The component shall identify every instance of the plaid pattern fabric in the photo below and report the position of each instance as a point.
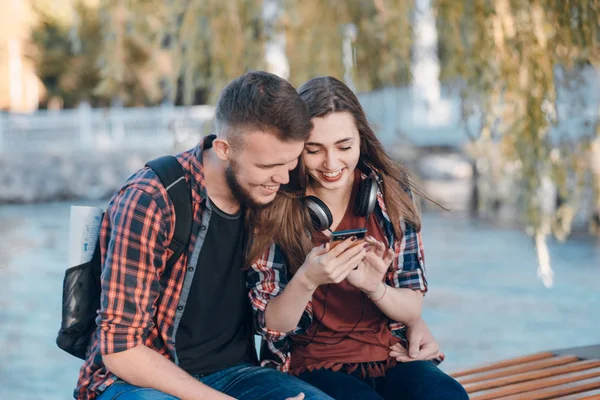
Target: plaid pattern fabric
(138, 305)
(269, 275)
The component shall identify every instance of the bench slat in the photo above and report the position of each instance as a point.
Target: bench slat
(500, 389)
(502, 364)
(508, 371)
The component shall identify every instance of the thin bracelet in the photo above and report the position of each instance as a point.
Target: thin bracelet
(384, 291)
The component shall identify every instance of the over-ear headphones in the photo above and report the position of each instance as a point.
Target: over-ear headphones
(366, 199)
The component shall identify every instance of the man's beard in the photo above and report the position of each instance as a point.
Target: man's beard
(237, 190)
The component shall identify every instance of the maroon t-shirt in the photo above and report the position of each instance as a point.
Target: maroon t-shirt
(348, 329)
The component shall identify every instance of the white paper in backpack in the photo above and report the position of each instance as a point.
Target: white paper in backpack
(84, 229)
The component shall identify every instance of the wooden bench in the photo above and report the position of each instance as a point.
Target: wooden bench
(563, 374)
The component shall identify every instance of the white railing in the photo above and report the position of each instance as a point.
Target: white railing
(89, 128)
(393, 113)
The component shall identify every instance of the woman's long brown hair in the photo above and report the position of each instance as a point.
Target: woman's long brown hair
(286, 222)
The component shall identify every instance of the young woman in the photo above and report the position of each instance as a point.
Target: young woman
(338, 314)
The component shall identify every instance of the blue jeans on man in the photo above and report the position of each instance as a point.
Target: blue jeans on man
(243, 381)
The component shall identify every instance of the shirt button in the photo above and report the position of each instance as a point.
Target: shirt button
(180, 308)
(202, 227)
(190, 269)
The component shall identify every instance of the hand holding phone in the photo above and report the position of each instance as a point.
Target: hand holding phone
(325, 264)
(339, 236)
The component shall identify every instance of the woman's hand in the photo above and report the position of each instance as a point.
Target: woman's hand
(421, 344)
(369, 275)
(324, 265)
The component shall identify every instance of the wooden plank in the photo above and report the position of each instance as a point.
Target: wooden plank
(556, 392)
(593, 395)
(504, 363)
(583, 352)
(499, 389)
(526, 367)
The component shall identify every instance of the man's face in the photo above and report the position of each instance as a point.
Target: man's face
(259, 166)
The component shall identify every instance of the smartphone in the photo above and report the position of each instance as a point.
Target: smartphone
(339, 236)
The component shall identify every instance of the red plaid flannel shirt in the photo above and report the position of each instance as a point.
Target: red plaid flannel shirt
(135, 234)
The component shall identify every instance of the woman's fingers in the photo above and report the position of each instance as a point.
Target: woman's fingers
(377, 247)
(397, 347)
(389, 256)
(352, 252)
(341, 247)
(347, 267)
(428, 351)
(376, 262)
(398, 352)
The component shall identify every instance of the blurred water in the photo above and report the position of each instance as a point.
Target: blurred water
(485, 301)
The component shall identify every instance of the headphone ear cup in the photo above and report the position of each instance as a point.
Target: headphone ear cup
(366, 197)
(320, 214)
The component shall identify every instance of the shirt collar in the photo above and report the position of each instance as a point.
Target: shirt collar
(196, 169)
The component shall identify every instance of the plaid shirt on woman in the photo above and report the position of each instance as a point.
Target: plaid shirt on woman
(269, 275)
(136, 306)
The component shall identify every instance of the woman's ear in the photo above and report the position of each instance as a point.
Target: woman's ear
(222, 148)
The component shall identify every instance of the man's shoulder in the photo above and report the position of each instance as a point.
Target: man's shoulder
(145, 180)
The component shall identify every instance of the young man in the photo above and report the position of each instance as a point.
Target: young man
(189, 335)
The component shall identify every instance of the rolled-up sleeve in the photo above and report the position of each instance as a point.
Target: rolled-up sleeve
(135, 250)
(408, 270)
(267, 277)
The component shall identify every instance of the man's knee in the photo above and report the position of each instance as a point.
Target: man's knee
(144, 394)
(125, 391)
(260, 383)
(432, 384)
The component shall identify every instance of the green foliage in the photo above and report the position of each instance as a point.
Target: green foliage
(315, 31)
(507, 52)
(65, 57)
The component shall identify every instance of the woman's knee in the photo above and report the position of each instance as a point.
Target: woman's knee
(447, 388)
(423, 380)
(340, 385)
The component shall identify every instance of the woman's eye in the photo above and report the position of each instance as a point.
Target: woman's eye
(345, 148)
(311, 151)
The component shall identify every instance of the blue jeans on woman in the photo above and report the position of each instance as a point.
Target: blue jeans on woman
(243, 381)
(413, 380)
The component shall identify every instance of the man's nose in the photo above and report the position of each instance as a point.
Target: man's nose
(282, 176)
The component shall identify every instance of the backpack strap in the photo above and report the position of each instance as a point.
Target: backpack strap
(171, 174)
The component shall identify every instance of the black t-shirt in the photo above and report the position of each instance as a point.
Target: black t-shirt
(215, 331)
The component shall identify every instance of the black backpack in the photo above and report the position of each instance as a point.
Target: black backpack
(81, 284)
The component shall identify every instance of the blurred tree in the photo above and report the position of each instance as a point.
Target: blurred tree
(199, 46)
(97, 51)
(509, 55)
(378, 30)
(130, 64)
(185, 51)
(65, 52)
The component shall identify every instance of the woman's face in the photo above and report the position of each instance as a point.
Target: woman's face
(332, 151)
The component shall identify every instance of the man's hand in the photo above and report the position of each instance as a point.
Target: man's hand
(299, 397)
(421, 344)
